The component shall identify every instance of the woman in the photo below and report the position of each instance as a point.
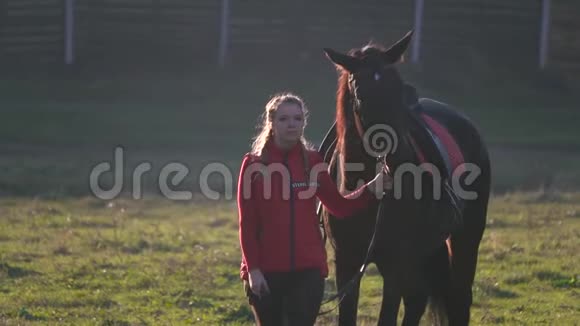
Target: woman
(283, 255)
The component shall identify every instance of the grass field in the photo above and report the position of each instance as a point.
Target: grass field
(157, 262)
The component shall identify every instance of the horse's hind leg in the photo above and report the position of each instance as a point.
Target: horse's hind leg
(464, 246)
(459, 298)
(414, 309)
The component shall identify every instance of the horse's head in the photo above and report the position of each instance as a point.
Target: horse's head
(374, 86)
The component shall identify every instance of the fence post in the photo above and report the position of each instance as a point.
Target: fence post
(69, 35)
(416, 54)
(544, 34)
(156, 15)
(2, 23)
(224, 33)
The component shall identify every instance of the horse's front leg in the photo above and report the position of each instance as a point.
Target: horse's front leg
(391, 296)
(414, 309)
(346, 269)
(389, 308)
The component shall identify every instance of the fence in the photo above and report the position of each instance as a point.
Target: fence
(565, 50)
(198, 33)
(31, 31)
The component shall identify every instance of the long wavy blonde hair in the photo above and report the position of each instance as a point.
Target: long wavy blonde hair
(266, 123)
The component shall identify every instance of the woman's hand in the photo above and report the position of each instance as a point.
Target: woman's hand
(258, 283)
(383, 182)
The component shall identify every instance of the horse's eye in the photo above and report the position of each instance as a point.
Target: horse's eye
(377, 76)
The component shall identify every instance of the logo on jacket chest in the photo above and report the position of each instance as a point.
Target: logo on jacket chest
(303, 184)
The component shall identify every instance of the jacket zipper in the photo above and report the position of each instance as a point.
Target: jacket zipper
(292, 226)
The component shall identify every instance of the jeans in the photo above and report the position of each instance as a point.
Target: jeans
(294, 298)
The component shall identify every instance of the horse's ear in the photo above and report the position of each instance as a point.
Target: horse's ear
(395, 52)
(345, 61)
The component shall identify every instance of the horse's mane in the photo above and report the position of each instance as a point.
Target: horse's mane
(343, 103)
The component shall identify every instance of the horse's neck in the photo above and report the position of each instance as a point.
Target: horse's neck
(406, 151)
(404, 154)
(353, 152)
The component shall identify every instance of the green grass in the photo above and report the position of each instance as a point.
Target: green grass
(158, 262)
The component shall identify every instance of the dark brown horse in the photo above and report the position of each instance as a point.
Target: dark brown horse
(422, 258)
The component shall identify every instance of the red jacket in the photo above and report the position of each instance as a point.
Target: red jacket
(281, 232)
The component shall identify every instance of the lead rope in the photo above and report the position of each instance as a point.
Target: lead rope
(356, 278)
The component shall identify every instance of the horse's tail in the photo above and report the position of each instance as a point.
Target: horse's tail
(440, 282)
